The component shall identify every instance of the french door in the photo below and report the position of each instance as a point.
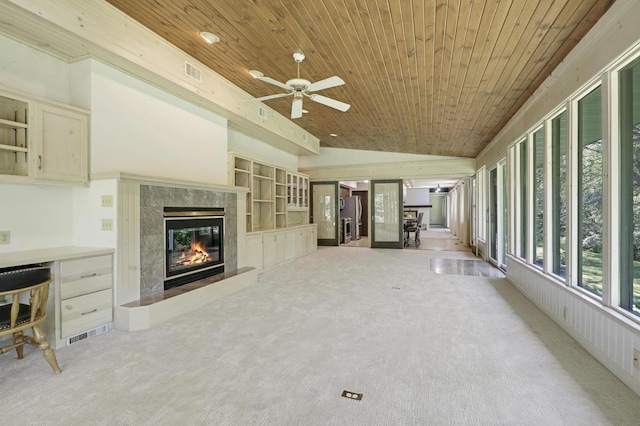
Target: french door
(325, 212)
(386, 214)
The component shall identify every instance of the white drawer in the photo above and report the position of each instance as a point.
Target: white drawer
(90, 284)
(84, 276)
(84, 312)
(79, 269)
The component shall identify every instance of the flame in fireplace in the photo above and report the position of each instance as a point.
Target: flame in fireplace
(197, 254)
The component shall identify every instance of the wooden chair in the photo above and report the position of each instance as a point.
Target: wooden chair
(415, 228)
(15, 316)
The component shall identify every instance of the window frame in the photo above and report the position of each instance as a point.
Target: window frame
(552, 224)
(573, 273)
(533, 243)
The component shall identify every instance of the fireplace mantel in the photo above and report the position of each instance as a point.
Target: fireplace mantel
(169, 182)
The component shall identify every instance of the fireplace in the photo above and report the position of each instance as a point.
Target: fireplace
(194, 244)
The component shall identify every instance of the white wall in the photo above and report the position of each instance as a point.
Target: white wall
(88, 214)
(137, 128)
(37, 216)
(255, 149)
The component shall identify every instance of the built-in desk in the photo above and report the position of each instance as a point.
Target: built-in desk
(81, 300)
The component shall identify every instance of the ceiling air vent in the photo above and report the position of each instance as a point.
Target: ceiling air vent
(262, 113)
(192, 71)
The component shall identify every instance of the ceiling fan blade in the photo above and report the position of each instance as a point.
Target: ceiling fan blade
(326, 83)
(265, 98)
(330, 102)
(275, 82)
(296, 108)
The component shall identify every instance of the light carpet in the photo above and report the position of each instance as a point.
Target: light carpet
(423, 348)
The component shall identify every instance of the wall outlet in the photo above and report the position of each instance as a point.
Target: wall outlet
(5, 237)
(107, 224)
(636, 359)
(107, 201)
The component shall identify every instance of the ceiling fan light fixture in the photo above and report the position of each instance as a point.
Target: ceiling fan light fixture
(256, 73)
(209, 37)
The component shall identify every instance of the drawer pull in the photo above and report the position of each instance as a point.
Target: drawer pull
(89, 275)
(90, 312)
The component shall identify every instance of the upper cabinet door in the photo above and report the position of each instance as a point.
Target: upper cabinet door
(61, 141)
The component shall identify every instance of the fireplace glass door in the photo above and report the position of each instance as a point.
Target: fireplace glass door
(194, 248)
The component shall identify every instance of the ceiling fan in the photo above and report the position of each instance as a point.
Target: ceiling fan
(299, 88)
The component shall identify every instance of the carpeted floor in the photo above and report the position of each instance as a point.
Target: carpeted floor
(423, 349)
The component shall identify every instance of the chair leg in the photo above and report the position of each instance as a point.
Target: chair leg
(49, 355)
(18, 339)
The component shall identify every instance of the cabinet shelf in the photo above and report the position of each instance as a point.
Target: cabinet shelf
(262, 177)
(12, 124)
(12, 148)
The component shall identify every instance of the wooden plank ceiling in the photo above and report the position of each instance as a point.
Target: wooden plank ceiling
(438, 77)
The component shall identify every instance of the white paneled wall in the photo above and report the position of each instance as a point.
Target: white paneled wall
(607, 334)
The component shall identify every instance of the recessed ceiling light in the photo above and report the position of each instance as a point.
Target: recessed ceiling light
(304, 111)
(256, 73)
(209, 37)
(333, 135)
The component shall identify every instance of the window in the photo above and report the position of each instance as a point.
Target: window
(559, 193)
(538, 197)
(503, 210)
(630, 187)
(522, 198)
(590, 192)
(493, 214)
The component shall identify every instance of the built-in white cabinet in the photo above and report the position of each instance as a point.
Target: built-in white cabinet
(42, 141)
(277, 198)
(271, 248)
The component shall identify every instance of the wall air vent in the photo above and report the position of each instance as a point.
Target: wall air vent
(86, 334)
(192, 71)
(262, 113)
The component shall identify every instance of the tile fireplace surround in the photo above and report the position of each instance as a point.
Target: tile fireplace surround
(153, 200)
(141, 301)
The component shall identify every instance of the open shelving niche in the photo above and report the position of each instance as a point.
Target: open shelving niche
(14, 152)
(276, 198)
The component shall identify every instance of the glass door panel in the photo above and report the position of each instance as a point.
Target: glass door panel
(386, 214)
(325, 212)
